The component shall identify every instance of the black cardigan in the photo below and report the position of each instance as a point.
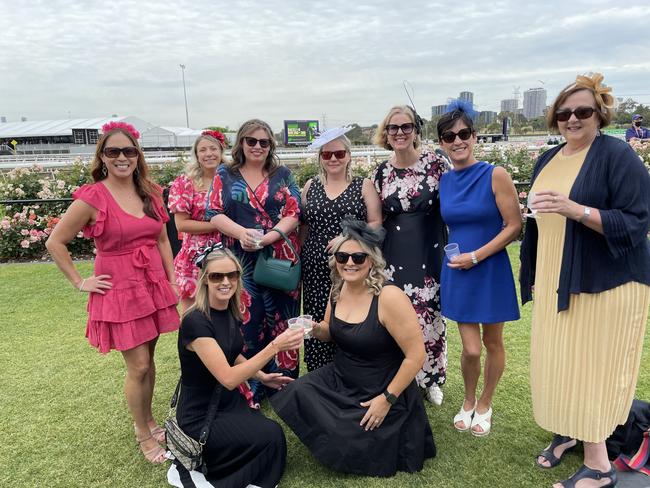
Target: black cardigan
(613, 180)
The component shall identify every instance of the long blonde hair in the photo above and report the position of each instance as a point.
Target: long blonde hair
(376, 276)
(202, 297)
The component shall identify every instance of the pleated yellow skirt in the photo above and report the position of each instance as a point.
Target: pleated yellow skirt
(585, 360)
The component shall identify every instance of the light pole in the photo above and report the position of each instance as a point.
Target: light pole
(187, 115)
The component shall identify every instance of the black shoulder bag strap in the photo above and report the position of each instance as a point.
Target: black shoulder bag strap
(212, 409)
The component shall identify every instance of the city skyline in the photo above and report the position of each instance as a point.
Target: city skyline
(339, 63)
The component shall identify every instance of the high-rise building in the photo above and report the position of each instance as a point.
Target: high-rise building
(437, 110)
(509, 105)
(486, 117)
(534, 102)
(467, 96)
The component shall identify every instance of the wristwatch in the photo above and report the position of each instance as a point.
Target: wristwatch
(390, 397)
(585, 214)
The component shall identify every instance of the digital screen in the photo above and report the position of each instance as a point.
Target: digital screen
(300, 132)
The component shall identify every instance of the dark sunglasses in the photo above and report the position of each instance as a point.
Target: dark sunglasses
(357, 257)
(128, 151)
(392, 129)
(449, 136)
(326, 155)
(252, 142)
(218, 277)
(580, 113)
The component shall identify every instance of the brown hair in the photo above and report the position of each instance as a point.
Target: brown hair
(146, 189)
(381, 137)
(272, 162)
(193, 169)
(602, 96)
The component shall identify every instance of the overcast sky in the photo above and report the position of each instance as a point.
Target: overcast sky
(342, 60)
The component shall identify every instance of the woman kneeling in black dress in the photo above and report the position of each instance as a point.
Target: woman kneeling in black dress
(363, 413)
(243, 447)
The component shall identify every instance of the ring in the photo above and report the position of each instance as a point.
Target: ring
(555, 199)
(376, 421)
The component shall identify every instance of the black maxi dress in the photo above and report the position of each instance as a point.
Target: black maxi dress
(323, 407)
(324, 215)
(243, 447)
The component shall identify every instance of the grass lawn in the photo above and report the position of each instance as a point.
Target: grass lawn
(65, 423)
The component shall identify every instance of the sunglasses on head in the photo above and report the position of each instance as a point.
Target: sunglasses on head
(449, 136)
(218, 277)
(252, 142)
(392, 129)
(580, 113)
(128, 151)
(337, 154)
(357, 257)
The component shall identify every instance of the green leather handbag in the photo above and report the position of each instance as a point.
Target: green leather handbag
(280, 274)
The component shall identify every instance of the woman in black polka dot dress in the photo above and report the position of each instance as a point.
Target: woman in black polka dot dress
(326, 199)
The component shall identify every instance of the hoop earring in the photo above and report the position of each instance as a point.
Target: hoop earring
(104, 170)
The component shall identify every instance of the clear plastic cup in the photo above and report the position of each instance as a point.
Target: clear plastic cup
(452, 250)
(258, 235)
(296, 323)
(307, 324)
(532, 214)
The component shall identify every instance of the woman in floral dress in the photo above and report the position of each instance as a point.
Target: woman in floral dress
(252, 195)
(187, 201)
(415, 234)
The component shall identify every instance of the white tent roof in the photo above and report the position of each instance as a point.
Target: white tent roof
(183, 131)
(63, 127)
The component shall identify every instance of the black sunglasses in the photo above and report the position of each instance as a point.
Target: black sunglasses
(392, 129)
(449, 136)
(326, 155)
(218, 277)
(580, 113)
(357, 257)
(128, 151)
(252, 142)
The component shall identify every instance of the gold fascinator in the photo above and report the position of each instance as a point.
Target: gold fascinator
(594, 83)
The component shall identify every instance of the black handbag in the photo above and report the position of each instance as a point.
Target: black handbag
(629, 444)
(280, 274)
(187, 450)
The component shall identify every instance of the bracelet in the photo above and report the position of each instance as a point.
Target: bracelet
(474, 258)
(81, 285)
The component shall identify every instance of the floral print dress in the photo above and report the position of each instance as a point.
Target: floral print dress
(185, 198)
(267, 309)
(414, 249)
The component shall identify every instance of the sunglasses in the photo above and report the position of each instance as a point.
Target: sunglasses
(326, 155)
(580, 113)
(218, 277)
(392, 129)
(128, 151)
(252, 142)
(357, 257)
(449, 136)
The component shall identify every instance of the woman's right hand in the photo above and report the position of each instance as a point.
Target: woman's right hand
(96, 284)
(289, 339)
(249, 240)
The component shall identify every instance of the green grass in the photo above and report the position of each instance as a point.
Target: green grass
(65, 423)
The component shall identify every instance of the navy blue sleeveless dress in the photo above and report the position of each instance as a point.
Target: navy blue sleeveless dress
(323, 407)
(485, 293)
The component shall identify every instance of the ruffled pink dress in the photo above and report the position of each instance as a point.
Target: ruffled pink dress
(184, 198)
(142, 304)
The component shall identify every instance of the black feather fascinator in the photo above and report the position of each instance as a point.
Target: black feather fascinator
(361, 231)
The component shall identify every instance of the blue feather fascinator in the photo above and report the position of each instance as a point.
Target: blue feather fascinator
(464, 106)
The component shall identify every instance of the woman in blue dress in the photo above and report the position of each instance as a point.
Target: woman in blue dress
(252, 195)
(479, 204)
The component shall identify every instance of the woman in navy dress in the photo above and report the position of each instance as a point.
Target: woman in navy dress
(479, 204)
(251, 195)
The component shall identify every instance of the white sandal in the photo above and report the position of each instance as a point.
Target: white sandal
(434, 394)
(464, 416)
(482, 420)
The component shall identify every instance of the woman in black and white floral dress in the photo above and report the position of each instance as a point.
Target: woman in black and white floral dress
(408, 186)
(326, 199)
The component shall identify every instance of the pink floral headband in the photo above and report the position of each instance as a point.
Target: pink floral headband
(216, 134)
(106, 128)
(594, 83)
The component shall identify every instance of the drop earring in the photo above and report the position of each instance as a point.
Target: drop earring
(104, 170)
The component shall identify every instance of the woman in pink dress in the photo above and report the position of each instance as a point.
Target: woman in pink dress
(187, 201)
(131, 296)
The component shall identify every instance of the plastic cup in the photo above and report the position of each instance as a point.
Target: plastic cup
(307, 324)
(258, 234)
(452, 250)
(532, 214)
(296, 323)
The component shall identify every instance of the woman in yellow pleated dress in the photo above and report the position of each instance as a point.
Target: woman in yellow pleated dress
(586, 257)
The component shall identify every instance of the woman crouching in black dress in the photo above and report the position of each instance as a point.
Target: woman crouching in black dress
(243, 446)
(363, 413)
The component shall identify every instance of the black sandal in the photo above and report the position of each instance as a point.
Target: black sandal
(548, 455)
(587, 473)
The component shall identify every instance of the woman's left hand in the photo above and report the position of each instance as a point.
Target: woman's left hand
(554, 202)
(274, 380)
(378, 408)
(462, 261)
